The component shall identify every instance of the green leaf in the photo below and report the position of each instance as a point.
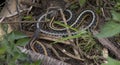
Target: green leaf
(28, 18)
(2, 50)
(73, 7)
(16, 56)
(16, 35)
(74, 36)
(4, 43)
(109, 29)
(22, 41)
(11, 37)
(71, 37)
(112, 62)
(82, 2)
(118, 1)
(67, 26)
(115, 15)
(19, 35)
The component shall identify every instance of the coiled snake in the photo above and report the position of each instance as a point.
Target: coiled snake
(56, 30)
(51, 29)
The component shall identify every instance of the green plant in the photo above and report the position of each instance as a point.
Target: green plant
(82, 2)
(111, 62)
(28, 18)
(80, 32)
(9, 54)
(109, 29)
(112, 27)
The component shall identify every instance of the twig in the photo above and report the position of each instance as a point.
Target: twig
(13, 14)
(69, 33)
(103, 13)
(105, 42)
(45, 59)
(69, 54)
(17, 21)
(65, 22)
(77, 45)
(2, 19)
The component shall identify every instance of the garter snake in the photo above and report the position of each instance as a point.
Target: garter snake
(49, 28)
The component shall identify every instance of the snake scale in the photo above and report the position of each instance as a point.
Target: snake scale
(46, 24)
(51, 29)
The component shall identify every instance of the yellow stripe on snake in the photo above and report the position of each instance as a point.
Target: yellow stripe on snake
(53, 29)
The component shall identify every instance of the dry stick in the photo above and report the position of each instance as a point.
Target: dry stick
(79, 49)
(108, 3)
(103, 13)
(15, 13)
(82, 53)
(105, 54)
(45, 59)
(10, 15)
(69, 34)
(65, 22)
(105, 42)
(98, 2)
(69, 54)
(2, 19)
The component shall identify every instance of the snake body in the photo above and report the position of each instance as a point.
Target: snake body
(48, 29)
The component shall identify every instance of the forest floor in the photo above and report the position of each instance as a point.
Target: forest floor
(74, 32)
